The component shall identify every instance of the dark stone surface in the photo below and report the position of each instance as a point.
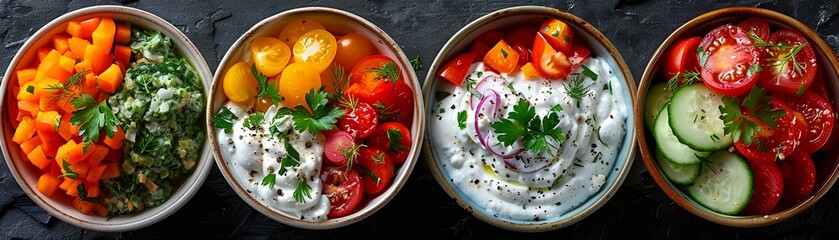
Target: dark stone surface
(639, 210)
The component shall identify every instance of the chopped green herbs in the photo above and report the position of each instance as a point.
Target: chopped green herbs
(90, 116)
(442, 95)
(416, 63)
(504, 53)
(269, 180)
(394, 136)
(224, 120)
(461, 120)
(255, 120)
(302, 189)
(589, 73)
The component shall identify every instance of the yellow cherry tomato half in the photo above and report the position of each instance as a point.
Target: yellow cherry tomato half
(292, 32)
(351, 48)
(270, 55)
(317, 47)
(239, 83)
(295, 81)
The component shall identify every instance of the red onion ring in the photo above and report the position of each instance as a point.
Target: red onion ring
(487, 83)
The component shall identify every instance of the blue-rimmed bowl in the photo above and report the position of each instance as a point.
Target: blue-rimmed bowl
(600, 46)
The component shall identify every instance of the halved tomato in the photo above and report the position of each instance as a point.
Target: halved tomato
(375, 169)
(317, 47)
(730, 65)
(558, 34)
(789, 69)
(295, 29)
(818, 115)
(270, 55)
(778, 143)
(392, 101)
(681, 57)
(756, 25)
(768, 186)
(344, 190)
(455, 70)
(394, 138)
(547, 61)
(239, 84)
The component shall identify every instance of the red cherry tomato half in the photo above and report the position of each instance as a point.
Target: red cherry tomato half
(524, 55)
(455, 70)
(681, 57)
(799, 177)
(769, 184)
(392, 101)
(521, 35)
(558, 34)
(394, 138)
(579, 52)
(774, 143)
(375, 168)
(783, 71)
(547, 61)
(360, 120)
(729, 64)
(344, 190)
(818, 115)
(756, 25)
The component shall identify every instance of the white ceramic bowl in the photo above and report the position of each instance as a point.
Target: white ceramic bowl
(26, 174)
(336, 22)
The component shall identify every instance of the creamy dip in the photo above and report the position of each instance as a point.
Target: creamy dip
(549, 184)
(255, 153)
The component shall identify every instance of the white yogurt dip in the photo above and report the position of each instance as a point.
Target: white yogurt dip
(552, 183)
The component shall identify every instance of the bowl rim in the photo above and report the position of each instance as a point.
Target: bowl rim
(448, 51)
(650, 72)
(202, 168)
(402, 174)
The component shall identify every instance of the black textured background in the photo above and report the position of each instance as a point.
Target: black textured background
(639, 210)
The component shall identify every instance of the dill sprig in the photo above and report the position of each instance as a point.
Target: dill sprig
(65, 91)
(687, 78)
(577, 88)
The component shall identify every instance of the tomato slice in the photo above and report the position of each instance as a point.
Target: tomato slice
(818, 115)
(239, 83)
(344, 190)
(547, 61)
(317, 47)
(270, 55)
(376, 169)
(728, 61)
(295, 29)
(394, 138)
(774, 143)
(360, 120)
(392, 102)
(756, 25)
(502, 57)
(558, 34)
(768, 186)
(786, 73)
(373, 70)
(579, 53)
(521, 35)
(455, 70)
(799, 178)
(681, 57)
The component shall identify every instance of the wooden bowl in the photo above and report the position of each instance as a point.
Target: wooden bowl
(827, 161)
(25, 173)
(335, 21)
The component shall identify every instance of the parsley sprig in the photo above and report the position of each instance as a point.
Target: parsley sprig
(744, 126)
(416, 63)
(265, 89)
(523, 123)
(322, 117)
(303, 189)
(224, 120)
(254, 120)
(90, 116)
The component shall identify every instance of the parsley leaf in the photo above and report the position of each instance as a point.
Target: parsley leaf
(461, 119)
(83, 194)
(322, 116)
(254, 120)
(504, 53)
(292, 159)
(743, 127)
(269, 180)
(265, 89)
(523, 123)
(30, 89)
(90, 116)
(224, 120)
(302, 189)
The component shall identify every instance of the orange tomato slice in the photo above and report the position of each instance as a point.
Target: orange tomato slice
(317, 48)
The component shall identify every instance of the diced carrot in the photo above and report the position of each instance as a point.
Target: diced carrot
(122, 55)
(81, 152)
(46, 102)
(12, 110)
(80, 168)
(84, 207)
(48, 121)
(59, 42)
(64, 126)
(70, 55)
(110, 79)
(92, 188)
(100, 210)
(38, 158)
(40, 75)
(90, 84)
(50, 141)
(529, 71)
(55, 170)
(89, 26)
(98, 155)
(27, 92)
(104, 34)
(123, 33)
(65, 105)
(51, 66)
(47, 184)
(98, 56)
(30, 107)
(46, 86)
(30, 145)
(74, 28)
(63, 152)
(83, 66)
(78, 46)
(115, 156)
(24, 131)
(112, 171)
(149, 184)
(25, 75)
(73, 189)
(65, 185)
(130, 205)
(42, 53)
(116, 141)
(67, 63)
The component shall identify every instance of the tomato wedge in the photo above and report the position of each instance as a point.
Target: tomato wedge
(790, 69)
(799, 177)
(547, 61)
(730, 65)
(681, 57)
(818, 115)
(777, 143)
(343, 189)
(558, 34)
(769, 184)
(455, 70)
(579, 52)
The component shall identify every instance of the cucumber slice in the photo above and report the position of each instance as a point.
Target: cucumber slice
(678, 174)
(695, 118)
(725, 185)
(657, 97)
(670, 147)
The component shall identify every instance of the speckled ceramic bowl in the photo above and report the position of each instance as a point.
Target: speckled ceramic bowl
(600, 46)
(337, 22)
(827, 162)
(25, 173)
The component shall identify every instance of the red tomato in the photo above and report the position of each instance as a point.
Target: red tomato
(344, 190)
(392, 102)
(818, 115)
(558, 34)
(455, 70)
(769, 184)
(524, 55)
(757, 25)
(480, 49)
(681, 57)
(360, 120)
(779, 142)
(728, 61)
(394, 138)
(547, 61)
(579, 52)
(521, 35)
(375, 168)
(783, 75)
(490, 37)
(368, 71)
(799, 177)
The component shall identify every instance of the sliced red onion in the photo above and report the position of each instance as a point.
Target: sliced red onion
(490, 101)
(492, 82)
